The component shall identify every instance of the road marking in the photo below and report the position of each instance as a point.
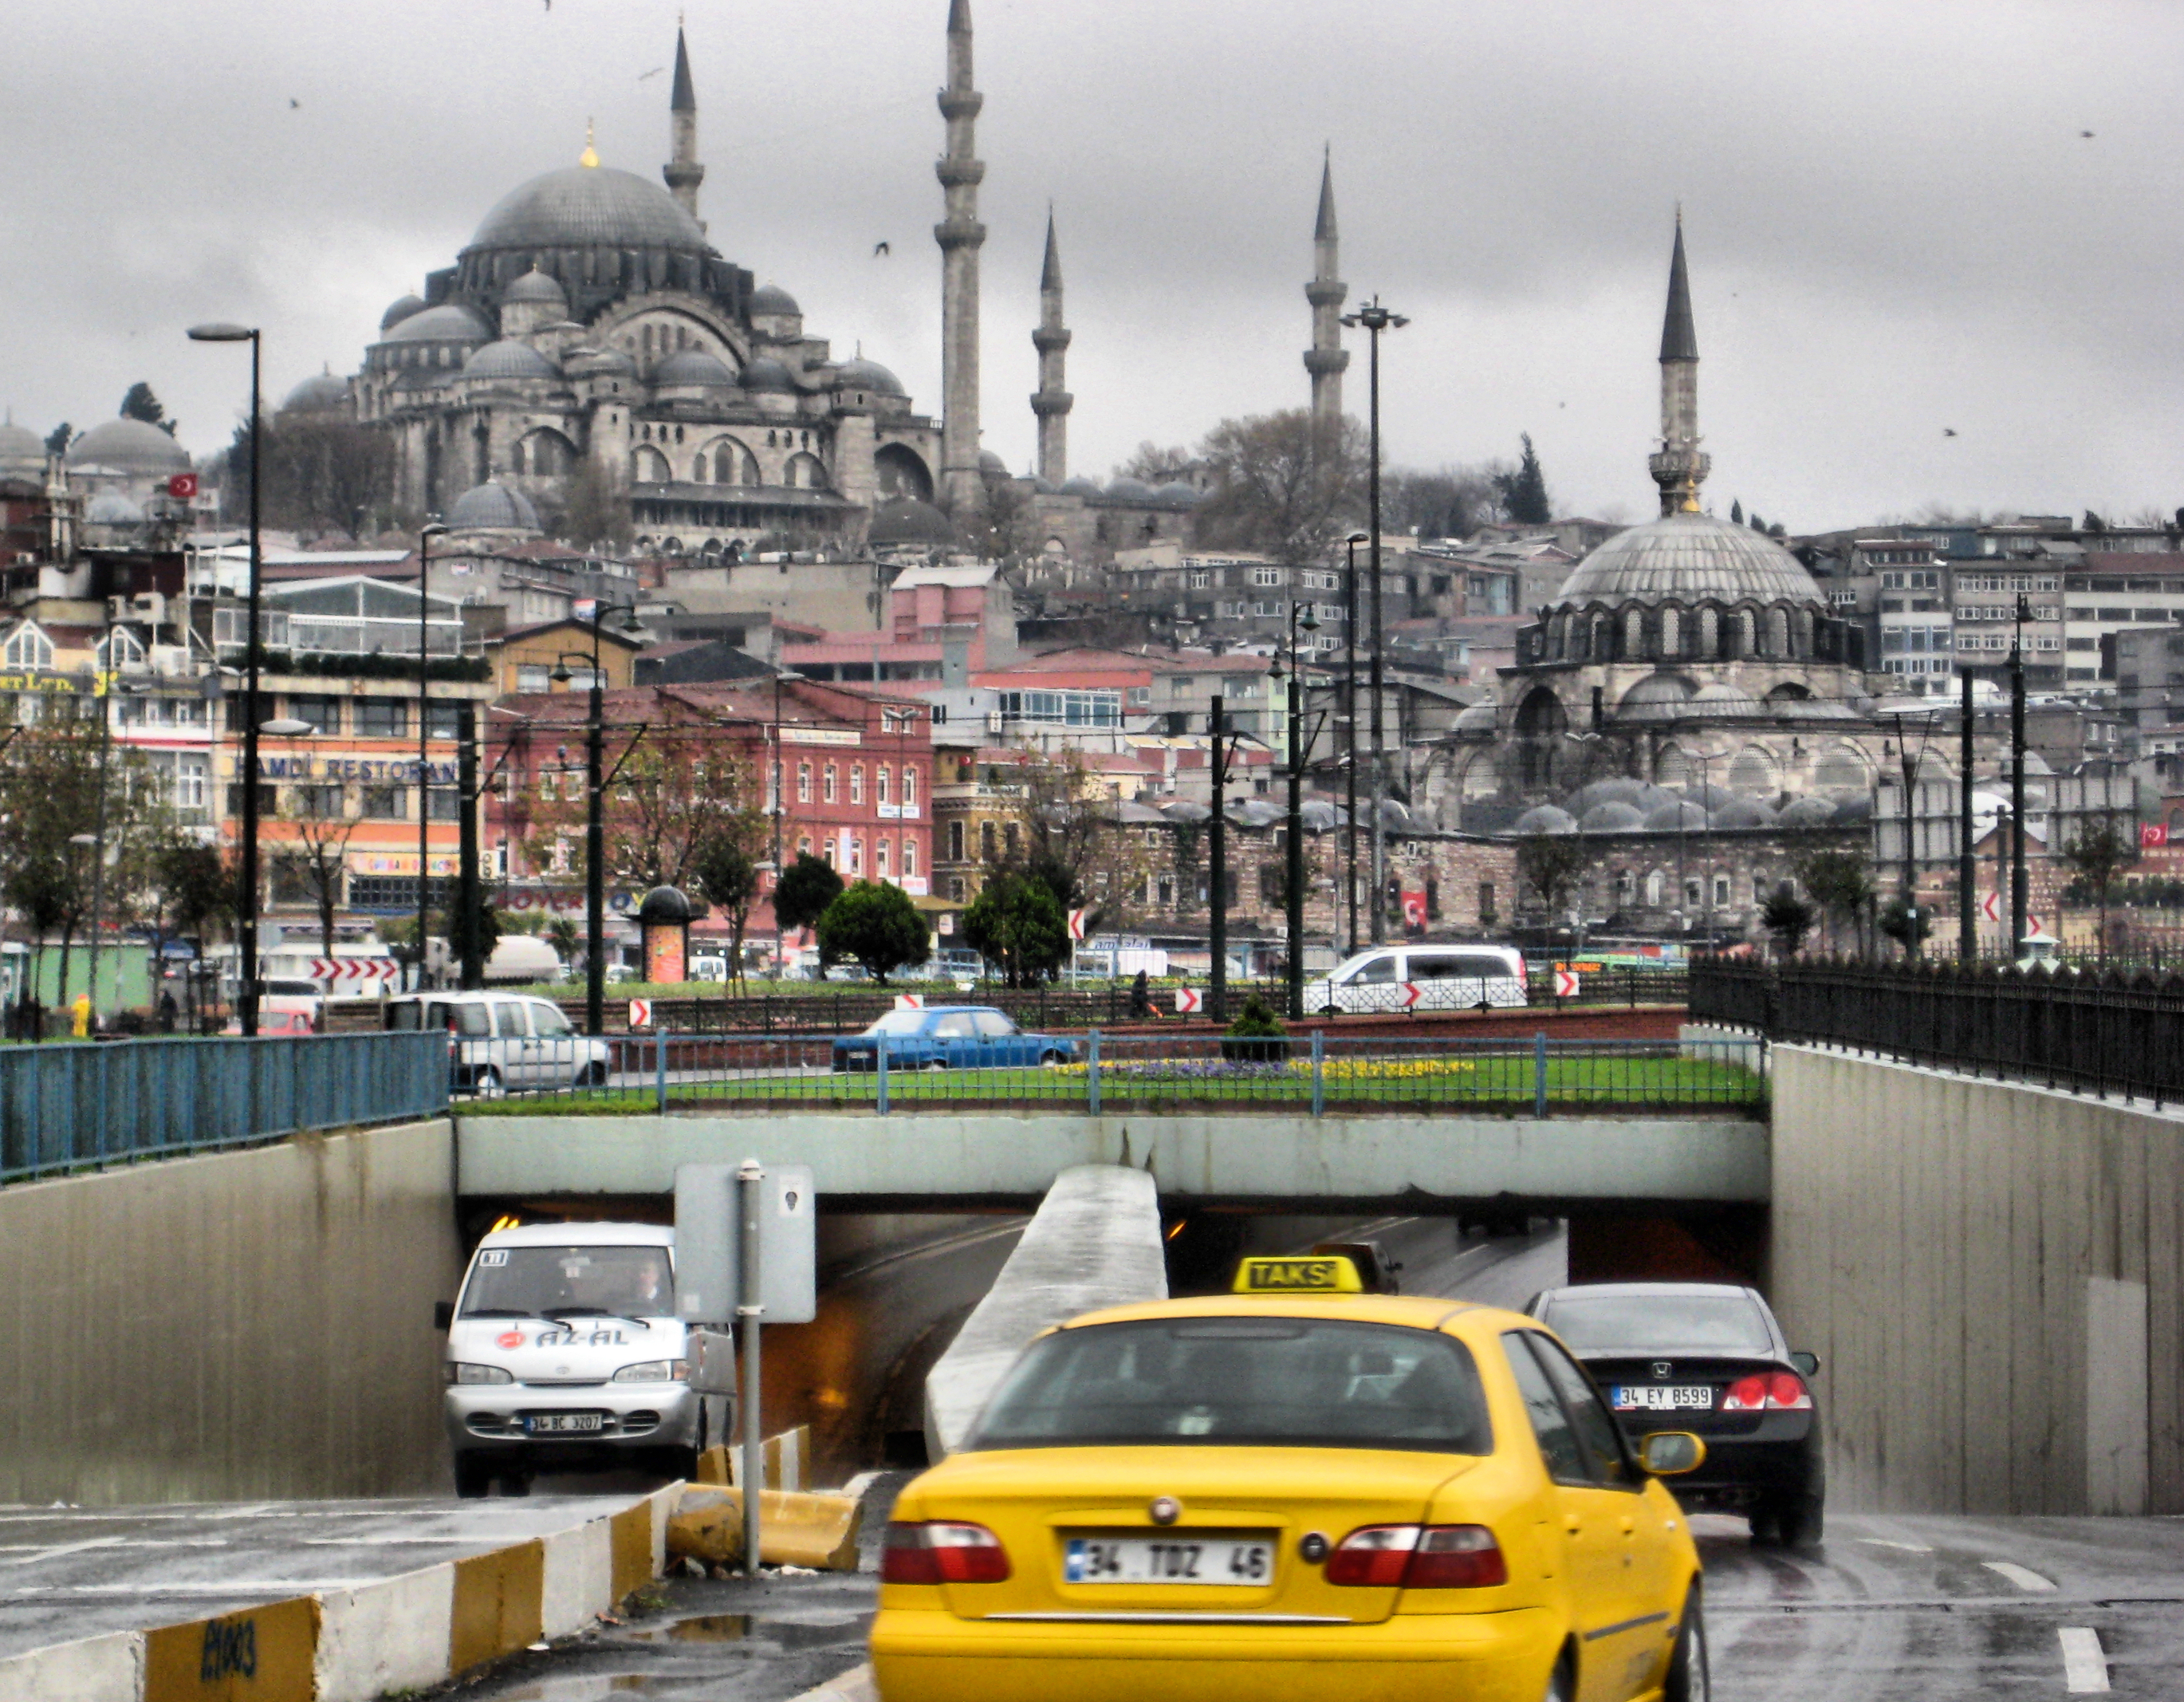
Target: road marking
(33, 1558)
(2023, 1577)
(1908, 1548)
(2085, 1666)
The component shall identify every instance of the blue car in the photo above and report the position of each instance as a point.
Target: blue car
(951, 1037)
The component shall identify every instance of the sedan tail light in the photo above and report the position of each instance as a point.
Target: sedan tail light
(1768, 1392)
(936, 1552)
(1419, 1557)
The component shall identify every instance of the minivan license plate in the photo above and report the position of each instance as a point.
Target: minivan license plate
(1167, 1560)
(1663, 1398)
(556, 1424)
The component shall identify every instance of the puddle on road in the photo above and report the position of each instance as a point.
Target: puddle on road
(738, 1627)
(592, 1687)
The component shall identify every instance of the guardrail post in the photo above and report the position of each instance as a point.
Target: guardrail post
(1092, 1073)
(879, 1058)
(1539, 1073)
(660, 1069)
(1318, 1072)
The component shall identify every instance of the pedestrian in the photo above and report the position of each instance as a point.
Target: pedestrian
(1141, 997)
(81, 1009)
(169, 1010)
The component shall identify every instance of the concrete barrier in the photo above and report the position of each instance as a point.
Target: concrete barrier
(1095, 1241)
(795, 1529)
(407, 1633)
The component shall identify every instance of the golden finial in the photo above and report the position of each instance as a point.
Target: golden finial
(590, 156)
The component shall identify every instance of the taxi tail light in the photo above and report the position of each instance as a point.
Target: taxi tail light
(1418, 1557)
(941, 1553)
(1768, 1392)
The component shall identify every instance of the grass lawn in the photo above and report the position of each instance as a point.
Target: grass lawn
(1500, 1080)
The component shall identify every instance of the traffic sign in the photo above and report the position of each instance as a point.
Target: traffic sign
(910, 1002)
(1990, 906)
(1077, 923)
(347, 974)
(640, 1014)
(1566, 984)
(1187, 1000)
(1410, 994)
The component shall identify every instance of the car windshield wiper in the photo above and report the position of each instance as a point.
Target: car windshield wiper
(498, 1312)
(561, 1314)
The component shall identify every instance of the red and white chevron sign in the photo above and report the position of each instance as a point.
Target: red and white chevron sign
(348, 974)
(1187, 1000)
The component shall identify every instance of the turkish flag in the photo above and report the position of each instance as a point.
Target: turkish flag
(183, 484)
(1414, 910)
(2152, 833)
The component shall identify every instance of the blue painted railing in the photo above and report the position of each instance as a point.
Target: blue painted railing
(81, 1106)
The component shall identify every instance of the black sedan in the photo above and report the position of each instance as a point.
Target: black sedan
(1708, 1358)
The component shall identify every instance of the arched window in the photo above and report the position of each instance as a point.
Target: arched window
(1710, 633)
(856, 857)
(1752, 772)
(827, 788)
(727, 461)
(648, 466)
(909, 789)
(882, 857)
(1672, 632)
(805, 472)
(545, 453)
(1777, 631)
(909, 859)
(882, 782)
(1654, 886)
(1746, 636)
(802, 782)
(856, 782)
(1634, 635)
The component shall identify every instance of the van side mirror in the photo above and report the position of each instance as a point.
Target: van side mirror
(1807, 1364)
(1671, 1453)
(443, 1314)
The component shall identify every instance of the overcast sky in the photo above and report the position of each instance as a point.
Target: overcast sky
(1896, 227)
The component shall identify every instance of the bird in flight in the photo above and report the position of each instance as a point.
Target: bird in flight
(879, 248)
(2086, 134)
(1948, 431)
(654, 72)
(293, 103)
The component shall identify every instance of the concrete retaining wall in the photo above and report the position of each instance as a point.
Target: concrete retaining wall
(1993, 1276)
(247, 1325)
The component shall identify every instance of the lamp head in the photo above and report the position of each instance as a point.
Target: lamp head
(220, 331)
(1310, 623)
(630, 621)
(1359, 538)
(287, 727)
(560, 676)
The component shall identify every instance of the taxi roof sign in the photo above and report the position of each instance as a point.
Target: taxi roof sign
(1317, 1273)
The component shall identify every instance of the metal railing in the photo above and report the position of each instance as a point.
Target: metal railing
(2116, 1033)
(84, 1106)
(1094, 1072)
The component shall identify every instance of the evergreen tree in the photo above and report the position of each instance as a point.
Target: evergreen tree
(140, 404)
(57, 440)
(803, 892)
(876, 925)
(1758, 524)
(1015, 921)
(1736, 511)
(1523, 493)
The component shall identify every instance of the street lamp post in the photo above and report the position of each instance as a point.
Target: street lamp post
(595, 831)
(1350, 733)
(1293, 858)
(1376, 319)
(247, 978)
(426, 534)
(780, 809)
(1217, 994)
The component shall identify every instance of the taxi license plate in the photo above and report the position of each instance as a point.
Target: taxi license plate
(1663, 1398)
(1229, 1561)
(559, 1424)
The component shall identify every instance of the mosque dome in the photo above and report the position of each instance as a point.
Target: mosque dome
(317, 394)
(128, 446)
(1544, 818)
(1619, 788)
(906, 521)
(588, 207)
(1129, 490)
(1807, 813)
(111, 508)
(21, 448)
(860, 374)
(1680, 817)
(536, 287)
(1721, 701)
(1080, 486)
(694, 367)
(1657, 697)
(773, 299)
(990, 461)
(1178, 493)
(1744, 812)
(448, 322)
(1691, 558)
(401, 310)
(1613, 816)
(766, 374)
(509, 359)
(1480, 717)
(493, 506)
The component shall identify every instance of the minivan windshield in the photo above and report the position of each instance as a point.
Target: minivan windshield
(569, 1281)
(1290, 1382)
(1647, 1323)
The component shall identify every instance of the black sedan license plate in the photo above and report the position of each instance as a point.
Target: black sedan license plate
(560, 1424)
(1663, 1398)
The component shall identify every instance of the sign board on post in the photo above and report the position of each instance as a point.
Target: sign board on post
(1077, 923)
(1187, 1000)
(640, 1014)
(1567, 985)
(708, 1272)
(1410, 994)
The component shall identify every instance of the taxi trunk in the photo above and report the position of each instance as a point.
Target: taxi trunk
(1085, 1540)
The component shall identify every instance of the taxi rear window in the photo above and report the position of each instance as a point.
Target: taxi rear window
(1285, 1382)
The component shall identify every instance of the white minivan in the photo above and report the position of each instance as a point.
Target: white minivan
(504, 1042)
(565, 1354)
(1446, 977)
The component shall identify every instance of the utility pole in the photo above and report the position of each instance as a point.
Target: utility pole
(595, 852)
(1350, 737)
(2017, 894)
(1376, 319)
(1909, 765)
(1217, 885)
(1967, 874)
(468, 906)
(426, 534)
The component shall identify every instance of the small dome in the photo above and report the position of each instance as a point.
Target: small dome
(862, 374)
(990, 461)
(2034, 763)
(1040, 486)
(509, 359)
(1657, 697)
(694, 367)
(319, 393)
(448, 322)
(1080, 486)
(401, 310)
(1854, 807)
(1620, 788)
(1480, 717)
(535, 286)
(1178, 495)
(1680, 817)
(111, 508)
(773, 299)
(1544, 818)
(21, 447)
(1806, 813)
(904, 520)
(767, 374)
(1129, 490)
(1186, 810)
(1689, 558)
(1319, 815)
(1255, 812)
(1719, 699)
(129, 446)
(493, 506)
(663, 904)
(1613, 816)
(1744, 812)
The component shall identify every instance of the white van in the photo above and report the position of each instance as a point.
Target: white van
(503, 1042)
(565, 1354)
(1448, 978)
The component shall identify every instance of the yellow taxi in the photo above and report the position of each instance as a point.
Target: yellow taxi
(1294, 1492)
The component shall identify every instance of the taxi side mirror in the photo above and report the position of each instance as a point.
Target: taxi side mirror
(443, 1314)
(1807, 1364)
(1671, 1453)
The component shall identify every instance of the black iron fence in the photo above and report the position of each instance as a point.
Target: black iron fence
(2121, 1032)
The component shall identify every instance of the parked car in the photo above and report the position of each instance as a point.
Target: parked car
(709, 968)
(1448, 978)
(951, 1037)
(274, 1023)
(502, 1043)
(1710, 1359)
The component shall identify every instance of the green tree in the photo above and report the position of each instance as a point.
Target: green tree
(1736, 512)
(57, 440)
(1787, 918)
(876, 925)
(1548, 866)
(728, 878)
(1758, 524)
(2097, 856)
(566, 936)
(1281, 483)
(485, 920)
(1841, 883)
(1015, 922)
(1523, 492)
(140, 404)
(800, 896)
